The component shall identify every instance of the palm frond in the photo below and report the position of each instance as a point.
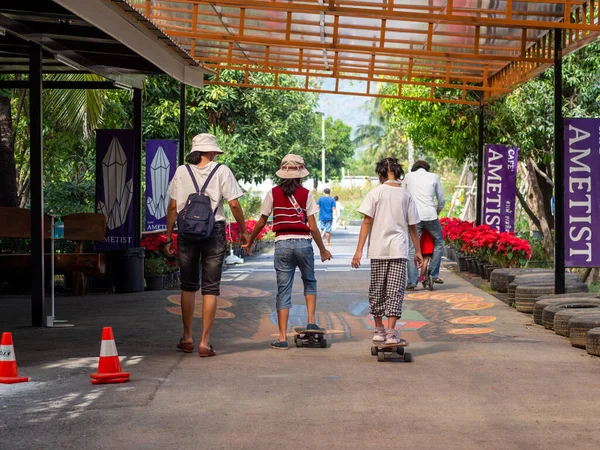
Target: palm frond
(78, 110)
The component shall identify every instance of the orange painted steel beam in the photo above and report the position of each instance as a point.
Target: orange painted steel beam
(308, 88)
(256, 40)
(469, 16)
(397, 78)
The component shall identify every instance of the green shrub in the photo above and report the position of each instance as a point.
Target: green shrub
(155, 266)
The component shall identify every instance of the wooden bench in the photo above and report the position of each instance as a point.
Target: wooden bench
(16, 223)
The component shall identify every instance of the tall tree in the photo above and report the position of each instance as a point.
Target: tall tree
(8, 187)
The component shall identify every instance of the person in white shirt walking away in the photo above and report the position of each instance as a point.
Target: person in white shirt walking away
(201, 261)
(426, 190)
(390, 217)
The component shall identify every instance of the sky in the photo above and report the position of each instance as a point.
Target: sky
(350, 109)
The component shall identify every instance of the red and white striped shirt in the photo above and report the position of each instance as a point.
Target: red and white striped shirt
(287, 223)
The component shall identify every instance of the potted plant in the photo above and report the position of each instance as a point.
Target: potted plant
(155, 272)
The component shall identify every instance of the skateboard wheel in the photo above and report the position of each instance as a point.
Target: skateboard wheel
(373, 350)
(408, 357)
(400, 351)
(323, 343)
(299, 342)
(380, 356)
(296, 339)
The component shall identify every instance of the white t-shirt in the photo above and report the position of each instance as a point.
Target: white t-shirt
(267, 210)
(392, 210)
(423, 187)
(223, 185)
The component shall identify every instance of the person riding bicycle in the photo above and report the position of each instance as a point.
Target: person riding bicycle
(427, 246)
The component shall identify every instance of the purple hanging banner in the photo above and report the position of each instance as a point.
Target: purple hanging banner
(161, 163)
(500, 187)
(582, 193)
(115, 166)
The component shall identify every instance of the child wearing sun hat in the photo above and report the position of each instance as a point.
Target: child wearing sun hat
(293, 209)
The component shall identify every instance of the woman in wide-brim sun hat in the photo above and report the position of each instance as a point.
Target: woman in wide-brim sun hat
(293, 209)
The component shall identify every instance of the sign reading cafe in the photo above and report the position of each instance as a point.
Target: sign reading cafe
(582, 193)
(500, 187)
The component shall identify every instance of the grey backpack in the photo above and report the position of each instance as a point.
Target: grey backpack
(197, 219)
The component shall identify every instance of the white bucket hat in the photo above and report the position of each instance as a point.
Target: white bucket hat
(205, 142)
(292, 166)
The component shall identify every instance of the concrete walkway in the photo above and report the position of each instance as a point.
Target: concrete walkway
(484, 377)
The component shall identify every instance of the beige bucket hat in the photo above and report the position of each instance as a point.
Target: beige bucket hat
(292, 166)
(205, 142)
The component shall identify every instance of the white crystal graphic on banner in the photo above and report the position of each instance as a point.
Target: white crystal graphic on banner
(159, 175)
(117, 192)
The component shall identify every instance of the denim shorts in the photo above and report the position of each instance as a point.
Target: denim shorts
(325, 225)
(203, 260)
(289, 254)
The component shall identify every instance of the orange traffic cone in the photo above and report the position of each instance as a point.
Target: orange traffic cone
(8, 363)
(109, 366)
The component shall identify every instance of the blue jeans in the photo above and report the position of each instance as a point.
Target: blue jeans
(435, 229)
(289, 254)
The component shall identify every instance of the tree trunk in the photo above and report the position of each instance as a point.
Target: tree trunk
(536, 198)
(547, 191)
(8, 177)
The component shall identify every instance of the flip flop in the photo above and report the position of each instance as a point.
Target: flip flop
(204, 353)
(186, 347)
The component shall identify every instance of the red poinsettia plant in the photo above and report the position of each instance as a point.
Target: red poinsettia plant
(514, 250)
(154, 245)
(483, 242)
(233, 231)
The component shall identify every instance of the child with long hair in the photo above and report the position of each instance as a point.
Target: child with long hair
(293, 209)
(390, 217)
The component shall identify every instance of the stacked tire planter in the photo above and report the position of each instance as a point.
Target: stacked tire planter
(547, 300)
(501, 278)
(592, 344)
(526, 296)
(580, 326)
(575, 314)
(562, 317)
(550, 311)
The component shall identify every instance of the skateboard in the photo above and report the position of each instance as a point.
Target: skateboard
(310, 338)
(381, 349)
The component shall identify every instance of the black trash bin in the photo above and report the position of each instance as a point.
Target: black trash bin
(128, 269)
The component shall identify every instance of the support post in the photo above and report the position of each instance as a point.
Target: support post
(559, 169)
(36, 161)
(323, 150)
(182, 120)
(480, 165)
(137, 175)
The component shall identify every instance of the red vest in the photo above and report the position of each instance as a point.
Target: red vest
(285, 218)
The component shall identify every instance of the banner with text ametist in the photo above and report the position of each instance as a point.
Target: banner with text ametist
(161, 163)
(115, 166)
(582, 193)
(500, 187)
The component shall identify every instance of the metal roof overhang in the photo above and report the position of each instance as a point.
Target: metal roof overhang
(103, 37)
(455, 48)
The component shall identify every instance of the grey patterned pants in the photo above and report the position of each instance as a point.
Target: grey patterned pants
(388, 282)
